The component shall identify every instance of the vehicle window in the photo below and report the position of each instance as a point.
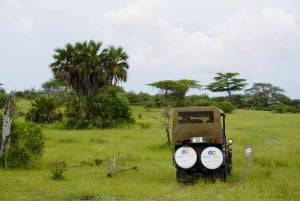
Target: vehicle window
(196, 117)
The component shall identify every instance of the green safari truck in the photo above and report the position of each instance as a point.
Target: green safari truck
(200, 145)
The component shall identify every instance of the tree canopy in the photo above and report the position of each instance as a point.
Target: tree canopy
(226, 82)
(52, 85)
(87, 69)
(175, 89)
(264, 94)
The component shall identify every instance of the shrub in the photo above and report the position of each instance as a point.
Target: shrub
(27, 144)
(100, 112)
(57, 168)
(282, 109)
(150, 104)
(1, 124)
(226, 106)
(196, 100)
(44, 111)
(3, 98)
(144, 125)
(204, 103)
(18, 156)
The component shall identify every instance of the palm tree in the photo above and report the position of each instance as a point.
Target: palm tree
(81, 67)
(87, 69)
(115, 65)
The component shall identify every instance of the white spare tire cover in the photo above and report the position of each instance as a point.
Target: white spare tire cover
(185, 157)
(211, 158)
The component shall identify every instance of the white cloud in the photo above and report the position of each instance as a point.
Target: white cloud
(249, 39)
(253, 42)
(190, 39)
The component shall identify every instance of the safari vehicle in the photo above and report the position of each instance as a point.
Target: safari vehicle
(200, 145)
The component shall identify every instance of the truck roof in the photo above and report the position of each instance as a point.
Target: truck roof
(191, 122)
(211, 108)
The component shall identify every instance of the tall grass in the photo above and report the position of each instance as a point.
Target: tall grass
(274, 174)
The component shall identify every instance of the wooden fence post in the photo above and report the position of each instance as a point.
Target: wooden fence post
(6, 126)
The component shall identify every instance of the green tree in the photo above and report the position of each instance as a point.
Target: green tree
(262, 95)
(1, 88)
(87, 69)
(116, 65)
(227, 82)
(80, 67)
(53, 86)
(175, 90)
(3, 97)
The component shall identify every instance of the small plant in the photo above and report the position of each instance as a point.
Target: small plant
(99, 140)
(86, 163)
(226, 106)
(98, 161)
(57, 168)
(144, 125)
(140, 116)
(66, 140)
(90, 162)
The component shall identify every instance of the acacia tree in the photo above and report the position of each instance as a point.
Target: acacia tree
(264, 94)
(227, 82)
(53, 86)
(175, 89)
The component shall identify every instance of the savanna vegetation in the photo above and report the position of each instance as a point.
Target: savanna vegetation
(65, 137)
(81, 156)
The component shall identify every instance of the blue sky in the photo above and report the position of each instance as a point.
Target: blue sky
(165, 39)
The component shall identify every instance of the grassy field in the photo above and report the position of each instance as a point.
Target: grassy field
(273, 175)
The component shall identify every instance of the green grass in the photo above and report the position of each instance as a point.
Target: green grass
(274, 174)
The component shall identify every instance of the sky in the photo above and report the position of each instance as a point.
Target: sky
(164, 39)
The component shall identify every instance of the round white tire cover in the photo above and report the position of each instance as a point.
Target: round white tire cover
(211, 158)
(185, 157)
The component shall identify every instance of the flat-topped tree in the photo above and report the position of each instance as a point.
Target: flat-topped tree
(265, 94)
(227, 82)
(175, 89)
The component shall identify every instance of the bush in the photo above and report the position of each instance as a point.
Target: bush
(226, 106)
(100, 112)
(197, 100)
(3, 98)
(1, 125)
(44, 111)
(57, 168)
(283, 109)
(204, 103)
(27, 144)
(144, 125)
